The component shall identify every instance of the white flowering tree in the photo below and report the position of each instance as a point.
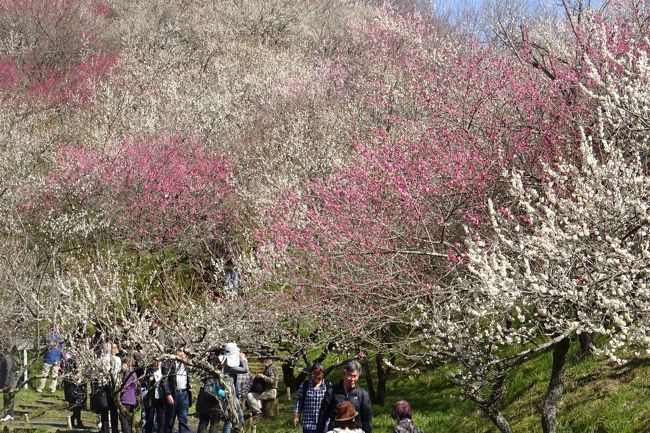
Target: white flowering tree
(569, 255)
(82, 81)
(105, 300)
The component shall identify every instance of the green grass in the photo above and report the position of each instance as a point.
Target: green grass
(599, 398)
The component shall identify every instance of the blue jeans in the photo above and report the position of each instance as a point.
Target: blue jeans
(227, 425)
(178, 409)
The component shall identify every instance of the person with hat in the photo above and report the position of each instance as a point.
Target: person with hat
(345, 421)
(348, 390)
(268, 379)
(212, 404)
(236, 363)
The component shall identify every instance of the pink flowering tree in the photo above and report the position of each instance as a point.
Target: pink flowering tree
(381, 239)
(150, 191)
(449, 121)
(52, 55)
(380, 243)
(56, 51)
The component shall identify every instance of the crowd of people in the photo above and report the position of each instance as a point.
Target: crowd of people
(162, 392)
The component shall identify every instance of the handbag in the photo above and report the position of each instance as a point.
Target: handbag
(257, 387)
(98, 398)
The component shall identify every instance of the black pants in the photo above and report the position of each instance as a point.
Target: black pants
(212, 419)
(75, 418)
(155, 414)
(8, 398)
(111, 411)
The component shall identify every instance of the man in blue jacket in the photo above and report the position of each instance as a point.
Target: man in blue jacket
(51, 361)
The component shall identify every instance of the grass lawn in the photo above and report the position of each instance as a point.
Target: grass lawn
(599, 398)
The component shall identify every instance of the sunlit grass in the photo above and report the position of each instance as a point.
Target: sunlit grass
(599, 397)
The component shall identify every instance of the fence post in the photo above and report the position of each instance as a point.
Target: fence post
(25, 374)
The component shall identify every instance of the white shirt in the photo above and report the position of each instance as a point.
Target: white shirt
(157, 376)
(112, 368)
(181, 376)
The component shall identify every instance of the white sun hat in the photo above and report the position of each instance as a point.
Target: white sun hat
(231, 351)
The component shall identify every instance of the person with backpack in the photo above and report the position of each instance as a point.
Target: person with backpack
(212, 404)
(234, 364)
(309, 398)
(348, 390)
(402, 414)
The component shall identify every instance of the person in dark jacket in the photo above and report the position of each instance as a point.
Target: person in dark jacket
(153, 400)
(211, 403)
(74, 391)
(8, 380)
(347, 389)
(176, 384)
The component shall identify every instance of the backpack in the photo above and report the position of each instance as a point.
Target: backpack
(406, 428)
(257, 386)
(212, 398)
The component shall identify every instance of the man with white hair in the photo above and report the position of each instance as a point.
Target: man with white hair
(346, 390)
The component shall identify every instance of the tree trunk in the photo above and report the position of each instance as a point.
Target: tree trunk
(586, 340)
(287, 375)
(382, 376)
(499, 421)
(555, 387)
(370, 384)
(490, 406)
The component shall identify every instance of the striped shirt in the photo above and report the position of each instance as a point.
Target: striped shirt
(312, 400)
